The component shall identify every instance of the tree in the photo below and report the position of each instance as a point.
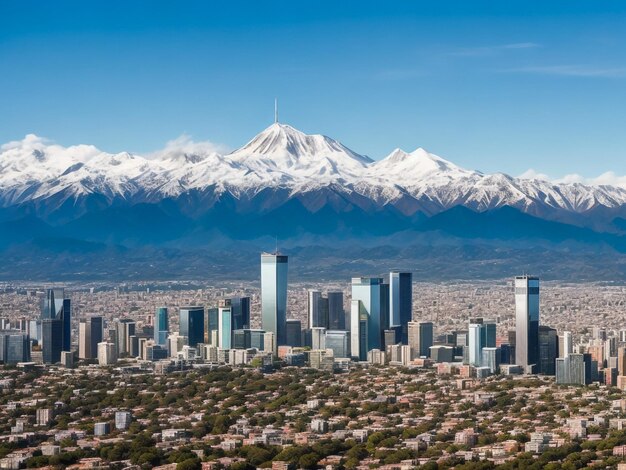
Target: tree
(309, 460)
(190, 464)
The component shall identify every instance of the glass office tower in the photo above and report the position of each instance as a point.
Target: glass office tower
(240, 308)
(211, 326)
(225, 326)
(14, 347)
(401, 302)
(527, 322)
(51, 340)
(56, 307)
(161, 326)
(294, 332)
(274, 295)
(336, 313)
(369, 310)
(191, 325)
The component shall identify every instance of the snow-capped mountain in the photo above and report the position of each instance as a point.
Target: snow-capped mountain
(279, 165)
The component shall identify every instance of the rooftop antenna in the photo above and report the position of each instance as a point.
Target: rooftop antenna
(275, 110)
(276, 237)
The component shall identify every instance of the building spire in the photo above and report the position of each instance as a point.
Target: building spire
(275, 110)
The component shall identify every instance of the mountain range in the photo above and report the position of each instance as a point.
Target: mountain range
(306, 190)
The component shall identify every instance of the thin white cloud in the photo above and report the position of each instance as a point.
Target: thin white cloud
(481, 51)
(184, 144)
(609, 178)
(531, 174)
(573, 71)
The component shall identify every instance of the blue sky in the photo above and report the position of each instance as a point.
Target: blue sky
(494, 86)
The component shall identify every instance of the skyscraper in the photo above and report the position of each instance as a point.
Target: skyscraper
(420, 338)
(369, 316)
(314, 309)
(14, 347)
(240, 308)
(401, 302)
(107, 353)
(90, 332)
(527, 322)
(225, 325)
(125, 329)
(51, 340)
(548, 350)
(294, 332)
(191, 325)
(274, 295)
(161, 326)
(56, 307)
(336, 314)
(475, 344)
(566, 345)
(211, 326)
(339, 342)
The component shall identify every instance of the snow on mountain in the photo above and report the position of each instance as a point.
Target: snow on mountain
(417, 167)
(283, 158)
(282, 154)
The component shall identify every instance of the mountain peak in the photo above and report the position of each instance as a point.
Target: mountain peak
(281, 148)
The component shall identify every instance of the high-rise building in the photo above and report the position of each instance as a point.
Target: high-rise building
(420, 338)
(566, 345)
(318, 338)
(369, 316)
(211, 326)
(548, 350)
(161, 326)
(191, 324)
(274, 295)
(527, 322)
(240, 309)
(314, 309)
(475, 346)
(574, 369)
(14, 347)
(56, 307)
(107, 353)
(125, 329)
(488, 332)
(441, 353)
(490, 357)
(621, 361)
(34, 330)
(225, 325)
(336, 313)
(248, 338)
(339, 342)
(401, 302)
(51, 340)
(269, 342)
(294, 332)
(90, 333)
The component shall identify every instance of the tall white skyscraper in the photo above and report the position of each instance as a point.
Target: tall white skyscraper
(274, 295)
(526, 321)
(566, 345)
(475, 344)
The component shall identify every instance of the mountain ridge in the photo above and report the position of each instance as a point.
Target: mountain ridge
(58, 183)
